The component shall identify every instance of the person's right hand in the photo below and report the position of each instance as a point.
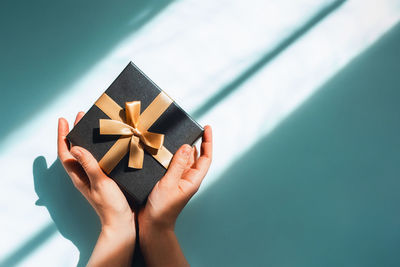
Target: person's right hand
(100, 190)
(116, 241)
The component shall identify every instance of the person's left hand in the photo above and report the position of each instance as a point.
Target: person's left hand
(181, 181)
(101, 191)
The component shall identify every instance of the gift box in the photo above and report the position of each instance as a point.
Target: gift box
(133, 130)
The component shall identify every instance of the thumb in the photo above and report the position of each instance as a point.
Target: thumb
(179, 163)
(88, 162)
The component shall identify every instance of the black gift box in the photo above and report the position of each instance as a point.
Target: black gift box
(176, 125)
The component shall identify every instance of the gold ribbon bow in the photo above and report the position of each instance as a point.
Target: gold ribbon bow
(133, 127)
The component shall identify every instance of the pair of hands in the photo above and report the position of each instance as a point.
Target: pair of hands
(156, 219)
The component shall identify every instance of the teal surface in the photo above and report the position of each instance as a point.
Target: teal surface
(46, 45)
(322, 189)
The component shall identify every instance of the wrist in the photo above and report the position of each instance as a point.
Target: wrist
(115, 222)
(152, 225)
(114, 247)
(160, 246)
(121, 233)
(153, 231)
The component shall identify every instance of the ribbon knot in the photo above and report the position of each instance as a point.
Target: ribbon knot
(135, 128)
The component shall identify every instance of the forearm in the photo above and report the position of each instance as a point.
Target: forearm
(114, 247)
(160, 247)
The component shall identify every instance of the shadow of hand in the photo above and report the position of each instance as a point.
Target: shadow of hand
(74, 217)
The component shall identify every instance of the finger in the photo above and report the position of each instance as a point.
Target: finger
(197, 174)
(78, 176)
(88, 163)
(204, 161)
(179, 163)
(62, 142)
(191, 158)
(196, 153)
(66, 158)
(79, 117)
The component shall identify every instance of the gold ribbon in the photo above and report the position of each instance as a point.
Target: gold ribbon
(133, 127)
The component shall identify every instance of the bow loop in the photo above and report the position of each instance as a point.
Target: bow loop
(130, 127)
(132, 113)
(136, 153)
(153, 140)
(114, 127)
